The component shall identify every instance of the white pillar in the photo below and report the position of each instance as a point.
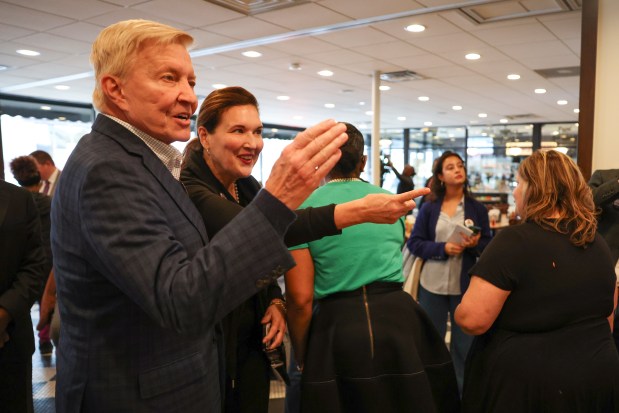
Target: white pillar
(376, 128)
(606, 136)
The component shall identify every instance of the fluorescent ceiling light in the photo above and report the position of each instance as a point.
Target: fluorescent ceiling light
(415, 28)
(251, 53)
(27, 52)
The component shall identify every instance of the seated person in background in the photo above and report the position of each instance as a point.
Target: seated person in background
(217, 174)
(369, 347)
(444, 276)
(539, 303)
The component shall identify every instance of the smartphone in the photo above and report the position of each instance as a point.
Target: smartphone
(475, 229)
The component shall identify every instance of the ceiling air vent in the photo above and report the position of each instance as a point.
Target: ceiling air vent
(253, 7)
(559, 72)
(401, 76)
(522, 116)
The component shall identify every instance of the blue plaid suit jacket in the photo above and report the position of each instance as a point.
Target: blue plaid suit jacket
(141, 287)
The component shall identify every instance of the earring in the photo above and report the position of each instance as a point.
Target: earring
(208, 151)
(442, 184)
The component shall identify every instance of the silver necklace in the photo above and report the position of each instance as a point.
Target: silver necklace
(343, 180)
(236, 193)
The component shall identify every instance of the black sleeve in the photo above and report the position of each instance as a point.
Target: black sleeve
(312, 224)
(501, 260)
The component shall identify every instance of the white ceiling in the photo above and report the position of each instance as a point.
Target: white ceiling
(62, 30)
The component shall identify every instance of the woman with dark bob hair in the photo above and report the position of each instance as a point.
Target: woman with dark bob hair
(217, 174)
(540, 302)
(368, 346)
(444, 276)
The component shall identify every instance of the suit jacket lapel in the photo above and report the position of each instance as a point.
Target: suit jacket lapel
(134, 145)
(4, 204)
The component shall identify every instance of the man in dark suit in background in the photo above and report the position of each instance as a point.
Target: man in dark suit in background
(604, 184)
(22, 275)
(49, 173)
(141, 288)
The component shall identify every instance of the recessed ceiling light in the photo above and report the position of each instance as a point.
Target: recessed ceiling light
(384, 88)
(513, 76)
(561, 102)
(473, 121)
(251, 53)
(3, 67)
(456, 107)
(297, 117)
(472, 56)
(504, 120)
(369, 113)
(295, 66)
(61, 118)
(329, 105)
(27, 52)
(576, 110)
(274, 130)
(555, 133)
(325, 73)
(218, 85)
(482, 115)
(46, 108)
(401, 117)
(361, 103)
(427, 124)
(283, 97)
(415, 28)
(423, 98)
(62, 87)
(540, 91)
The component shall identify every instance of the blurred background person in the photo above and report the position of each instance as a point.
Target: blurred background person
(540, 302)
(444, 276)
(217, 174)
(24, 169)
(405, 178)
(604, 184)
(49, 173)
(22, 275)
(370, 347)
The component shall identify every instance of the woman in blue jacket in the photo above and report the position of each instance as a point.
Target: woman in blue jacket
(444, 277)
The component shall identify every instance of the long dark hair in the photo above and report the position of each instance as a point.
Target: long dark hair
(437, 186)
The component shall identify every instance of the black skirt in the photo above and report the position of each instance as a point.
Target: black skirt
(375, 350)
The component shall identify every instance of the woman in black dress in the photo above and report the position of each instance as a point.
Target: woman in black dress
(540, 302)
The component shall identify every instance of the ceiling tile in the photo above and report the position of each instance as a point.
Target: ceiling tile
(56, 43)
(194, 13)
(303, 17)
(356, 37)
(523, 34)
(363, 9)
(8, 32)
(82, 31)
(30, 19)
(73, 9)
(246, 28)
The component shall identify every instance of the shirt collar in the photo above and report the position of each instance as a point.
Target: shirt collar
(168, 154)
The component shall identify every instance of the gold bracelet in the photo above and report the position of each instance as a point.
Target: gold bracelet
(281, 304)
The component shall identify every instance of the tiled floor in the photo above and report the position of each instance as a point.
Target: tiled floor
(44, 380)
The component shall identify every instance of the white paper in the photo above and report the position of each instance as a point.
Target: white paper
(456, 235)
